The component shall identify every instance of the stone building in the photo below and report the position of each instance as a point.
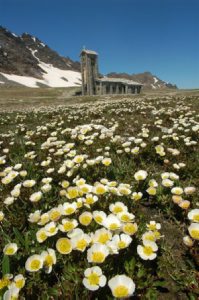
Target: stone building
(93, 84)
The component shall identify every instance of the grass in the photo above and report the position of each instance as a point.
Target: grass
(94, 127)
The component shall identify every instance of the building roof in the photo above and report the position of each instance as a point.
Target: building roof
(89, 52)
(118, 80)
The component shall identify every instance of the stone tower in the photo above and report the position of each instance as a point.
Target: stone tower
(89, 69)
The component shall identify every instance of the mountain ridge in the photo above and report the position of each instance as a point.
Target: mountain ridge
(26, 60)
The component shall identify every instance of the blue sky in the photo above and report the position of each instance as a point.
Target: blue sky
(133, 36)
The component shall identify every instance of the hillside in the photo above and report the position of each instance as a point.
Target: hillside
(25, 60)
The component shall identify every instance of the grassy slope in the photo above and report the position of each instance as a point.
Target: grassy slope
(176, 266)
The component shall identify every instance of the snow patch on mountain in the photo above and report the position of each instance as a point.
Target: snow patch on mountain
(155, 80)
(53, 77)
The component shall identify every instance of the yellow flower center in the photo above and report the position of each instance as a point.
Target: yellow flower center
(20, 283)
(98, 257)
(122, 244)
(125, 218)
(157, 234)
(150, 237)
(195, 234)
(148, 250)
(4, 282)
(85, 220)
(52, 229)
(9, 251)
(98, 219)
(89, 200)
(93, 279)
(120, 291)
(103, 238)
(48, 260)
(129, 228)
(124, 191)
(68, 226)
(100, 190)
(113, 226)
(55, 215)
(42, 236)
(81, 244)
(73, 193)
(69, 210)
(196, 218)
(152, 226)
(117, 209)
(35, 264)
(85, 189)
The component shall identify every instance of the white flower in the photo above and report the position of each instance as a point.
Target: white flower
(136, 196)
(68, 224)
(167, 182)
(188, 241)
(112, 222)
(49, 259)
(34, 263)
(94, 278)
(189, 190)
(118, 207)
(1, 216)
(85, 218)
(41, 235)
(193, 215)
(69, 208)
(35, 197)
(148, 250)
(177, 190)
(121, 286)
(11, 294)
(80, 241)
(153, 226)
(194, 230)
(64, 246)
(101, 236)
(19, 281)
(99, 216)
(29, 183)
(97, 253)
(34, 217)
(122, 241)
(140, 175)
(9, 200)
(10, 249)
(125, 217)
(51, 229)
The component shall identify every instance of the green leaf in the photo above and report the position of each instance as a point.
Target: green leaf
(141, 272)
(19, 236)
(5, 265)
(159, 283)
(53, 292)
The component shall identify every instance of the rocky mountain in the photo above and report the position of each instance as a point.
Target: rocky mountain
(148, 80)
(25, 60)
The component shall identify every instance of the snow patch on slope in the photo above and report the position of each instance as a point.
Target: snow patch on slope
(155, 80)
(52, 77)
